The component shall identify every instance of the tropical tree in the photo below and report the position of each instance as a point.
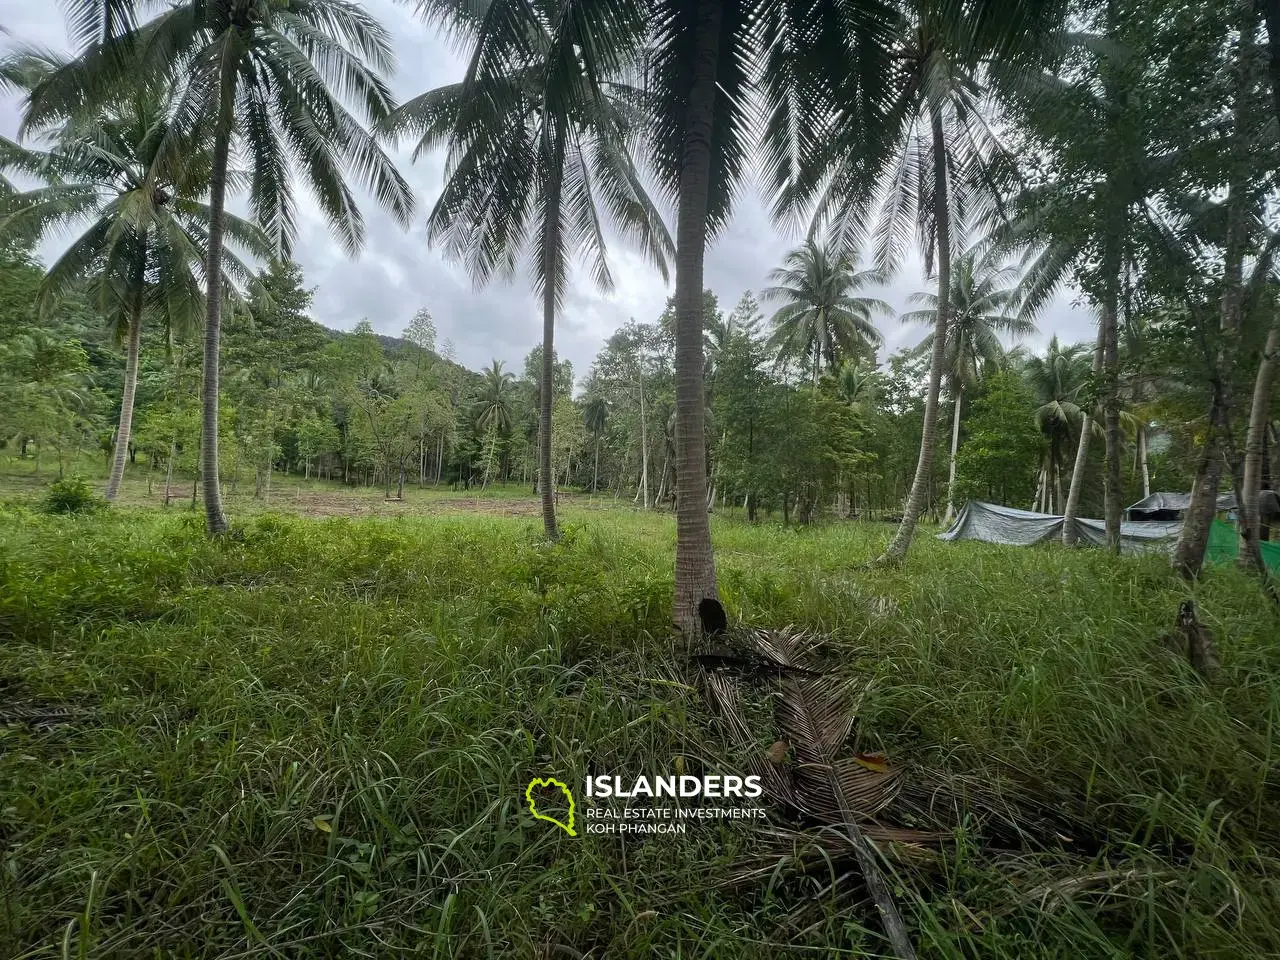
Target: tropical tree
(1058, 379)
(495, 399)
(933, 163)
(821, 320)
(983, 298)
(595, 415)
(1107, 140)
(265, 80)
(144, 231)
(538, 136)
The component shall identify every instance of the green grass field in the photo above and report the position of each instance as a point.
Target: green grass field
(312, 738)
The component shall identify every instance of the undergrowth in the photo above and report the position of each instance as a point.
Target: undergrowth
(312, 738)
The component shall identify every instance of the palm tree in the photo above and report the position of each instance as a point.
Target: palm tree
(933, 162)
(265, 80)
(495, 407)
(705, 58)
(821, 320)
(538, 136)
(1058, 378)
(495, 399)
(980, 301)
(144, 236)
(596, 415)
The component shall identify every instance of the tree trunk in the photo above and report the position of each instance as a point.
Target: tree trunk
(546, 479)
(1070, 533)
(901, 541)
(695, 571)
(595, 475)
(1255, 439)
(168, 470)
(1143, 461)
(1193, 539)
(215, 519)
(1113, 491)
(130, 383)
(955, 443)
(644, 448)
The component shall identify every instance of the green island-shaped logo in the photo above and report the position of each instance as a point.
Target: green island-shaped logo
(533, 803)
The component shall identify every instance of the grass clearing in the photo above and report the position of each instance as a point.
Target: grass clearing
(312, 739)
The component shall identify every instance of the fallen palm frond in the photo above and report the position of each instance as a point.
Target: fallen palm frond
(836, 790)
(42, 714)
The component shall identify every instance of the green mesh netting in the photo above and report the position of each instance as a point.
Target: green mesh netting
(1224, 545)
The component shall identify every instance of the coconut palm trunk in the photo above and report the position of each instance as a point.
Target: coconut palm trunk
(901, 541)
(1255, 439)
(125, 428)
(1070, 531)
(1112, 488)
(644, 447)
(955, 443)
(546, 479)
(215, 519)
(695, 573)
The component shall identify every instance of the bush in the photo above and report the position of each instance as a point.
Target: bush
(72, 495)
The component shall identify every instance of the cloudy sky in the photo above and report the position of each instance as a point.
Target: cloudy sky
(397, 273)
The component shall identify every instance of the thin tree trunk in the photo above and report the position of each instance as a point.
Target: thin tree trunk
(168, 470)
(1070, 533)
(1193, 540)
(1143, 461)
(644, 448)
(901, 541)
(215, 518)
(1113, 491)
(1143, 465)
(1255, 438)
(130, 383)
(695, 571)
(955, 444)
(546, 479)
(595, 476)
(1057, 477)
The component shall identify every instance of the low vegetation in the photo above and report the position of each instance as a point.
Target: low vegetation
(312, 737)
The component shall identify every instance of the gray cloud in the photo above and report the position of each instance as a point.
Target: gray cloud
(397, 273)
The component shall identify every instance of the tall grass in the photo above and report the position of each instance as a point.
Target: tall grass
(312, 738)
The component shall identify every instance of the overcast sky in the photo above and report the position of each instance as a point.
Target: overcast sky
(397, 273)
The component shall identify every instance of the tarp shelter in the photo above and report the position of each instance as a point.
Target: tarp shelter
(996, 524)
(1171, 506)
(1224, 547)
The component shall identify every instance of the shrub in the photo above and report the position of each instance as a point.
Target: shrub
(72, 495)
